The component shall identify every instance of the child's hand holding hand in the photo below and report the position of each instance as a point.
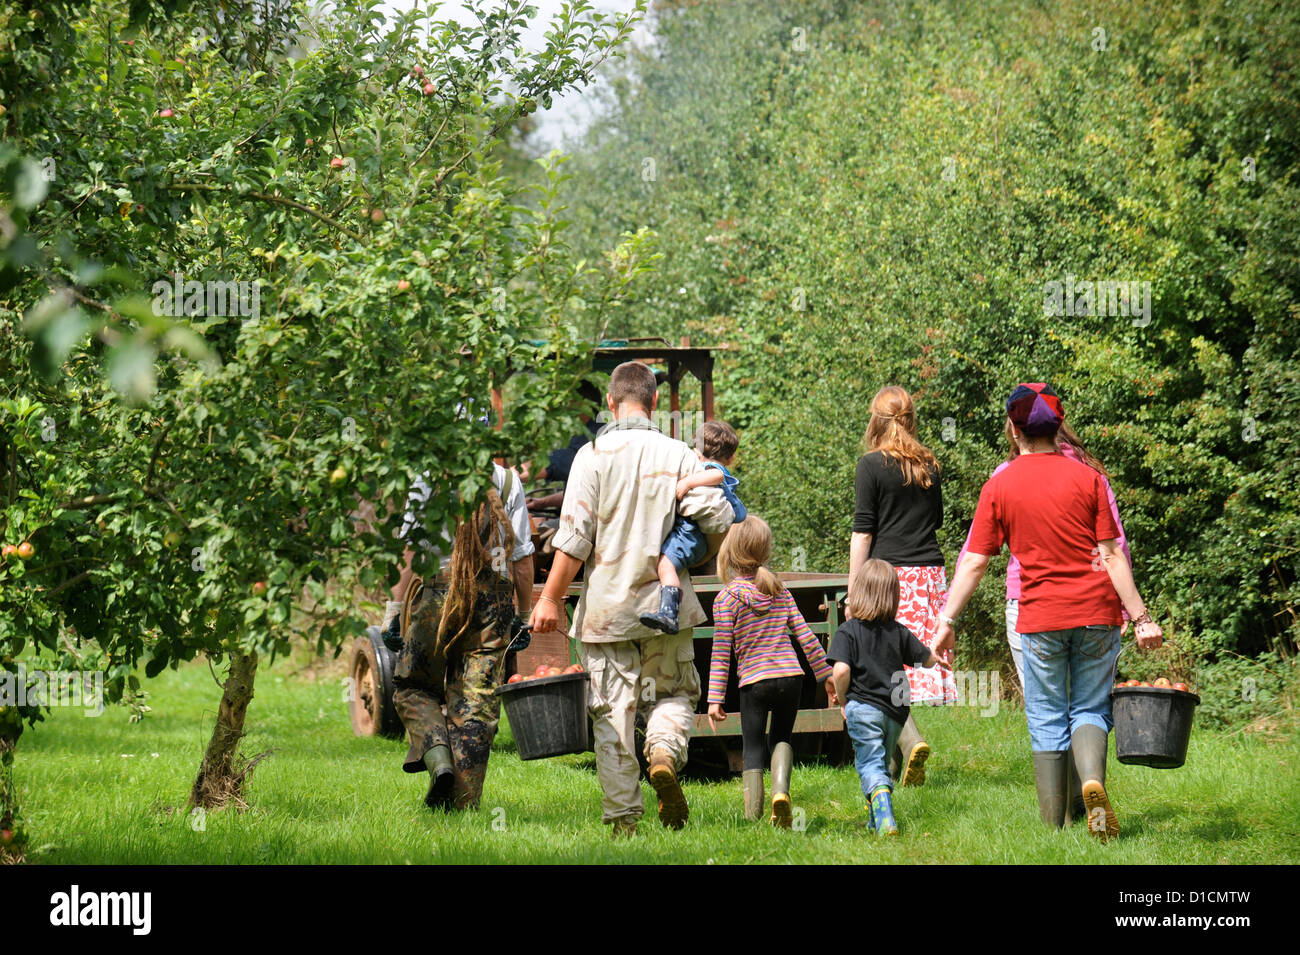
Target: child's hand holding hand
(716, 712)
(939, 662)
(832, 697)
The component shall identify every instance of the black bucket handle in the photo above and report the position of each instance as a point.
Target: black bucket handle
(517, 642)
(1182, 654)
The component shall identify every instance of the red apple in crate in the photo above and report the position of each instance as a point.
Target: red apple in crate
(516, 678)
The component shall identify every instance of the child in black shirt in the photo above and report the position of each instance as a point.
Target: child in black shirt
(869, 651)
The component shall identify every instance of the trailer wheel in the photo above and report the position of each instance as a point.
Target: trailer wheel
(371, 673)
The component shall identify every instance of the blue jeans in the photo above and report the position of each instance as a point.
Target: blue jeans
(874, 734)
(685, 545)
(1068, 675)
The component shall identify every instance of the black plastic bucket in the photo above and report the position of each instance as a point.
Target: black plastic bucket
(548, 715)
(1153, 725)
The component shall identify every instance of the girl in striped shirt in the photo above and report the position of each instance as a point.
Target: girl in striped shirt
(756, 616)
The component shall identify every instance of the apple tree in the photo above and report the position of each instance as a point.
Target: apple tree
(276, 273)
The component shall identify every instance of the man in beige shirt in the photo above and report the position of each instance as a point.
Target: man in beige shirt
(619, 505)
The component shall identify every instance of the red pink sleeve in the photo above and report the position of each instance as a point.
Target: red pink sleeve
(1107, 527)
(986, 535)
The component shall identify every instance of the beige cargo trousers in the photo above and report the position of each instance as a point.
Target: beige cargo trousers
(656, 678)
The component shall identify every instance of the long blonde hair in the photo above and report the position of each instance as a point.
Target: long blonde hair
(892, 431)
(471, 555)
(746, 550)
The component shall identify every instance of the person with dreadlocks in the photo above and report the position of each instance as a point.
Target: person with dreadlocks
(456, 631)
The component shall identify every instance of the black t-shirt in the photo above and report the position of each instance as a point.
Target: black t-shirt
(560, 461)
(901, 518)
(875, 652)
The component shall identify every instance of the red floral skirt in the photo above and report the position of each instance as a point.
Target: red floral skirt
(922, 592)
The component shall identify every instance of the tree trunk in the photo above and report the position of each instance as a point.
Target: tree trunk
(223, 772)
(11, 837)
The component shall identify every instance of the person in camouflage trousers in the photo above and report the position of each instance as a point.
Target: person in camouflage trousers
(455, 639)
(464, 681)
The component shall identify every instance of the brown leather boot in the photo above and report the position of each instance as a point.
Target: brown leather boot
(752, 781)
(624, 827)
(673, 810)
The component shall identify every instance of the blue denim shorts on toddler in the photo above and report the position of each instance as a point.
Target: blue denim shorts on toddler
(686, 544)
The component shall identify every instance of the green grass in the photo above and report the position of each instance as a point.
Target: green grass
(104, 790)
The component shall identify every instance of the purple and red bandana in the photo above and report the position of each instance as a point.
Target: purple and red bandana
(1035, 409)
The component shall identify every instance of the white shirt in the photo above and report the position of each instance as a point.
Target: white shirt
(516, 510)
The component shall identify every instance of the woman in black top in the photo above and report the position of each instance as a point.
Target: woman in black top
(899, 507)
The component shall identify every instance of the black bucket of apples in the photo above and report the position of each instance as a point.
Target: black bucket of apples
(547, 711)
(1153, 721)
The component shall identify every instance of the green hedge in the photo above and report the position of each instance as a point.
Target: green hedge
(855, 194)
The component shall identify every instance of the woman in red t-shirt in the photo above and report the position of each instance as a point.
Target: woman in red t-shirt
(1055, 516)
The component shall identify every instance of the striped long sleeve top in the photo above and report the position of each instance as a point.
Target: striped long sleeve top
(757, 628)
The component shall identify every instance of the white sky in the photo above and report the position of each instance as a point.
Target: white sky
(569, 114)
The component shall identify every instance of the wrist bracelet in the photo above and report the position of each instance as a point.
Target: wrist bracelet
(1145, 618)
(551, 599)
(950, 621)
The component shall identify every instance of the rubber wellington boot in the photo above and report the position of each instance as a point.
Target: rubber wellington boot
(752, 781)
(909, 758)
(1050, 778)
(673, 810)
(882, 812)
(1078, 811)
(441, 777)
(782, 762)
(1088, 744)
(670, 601)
